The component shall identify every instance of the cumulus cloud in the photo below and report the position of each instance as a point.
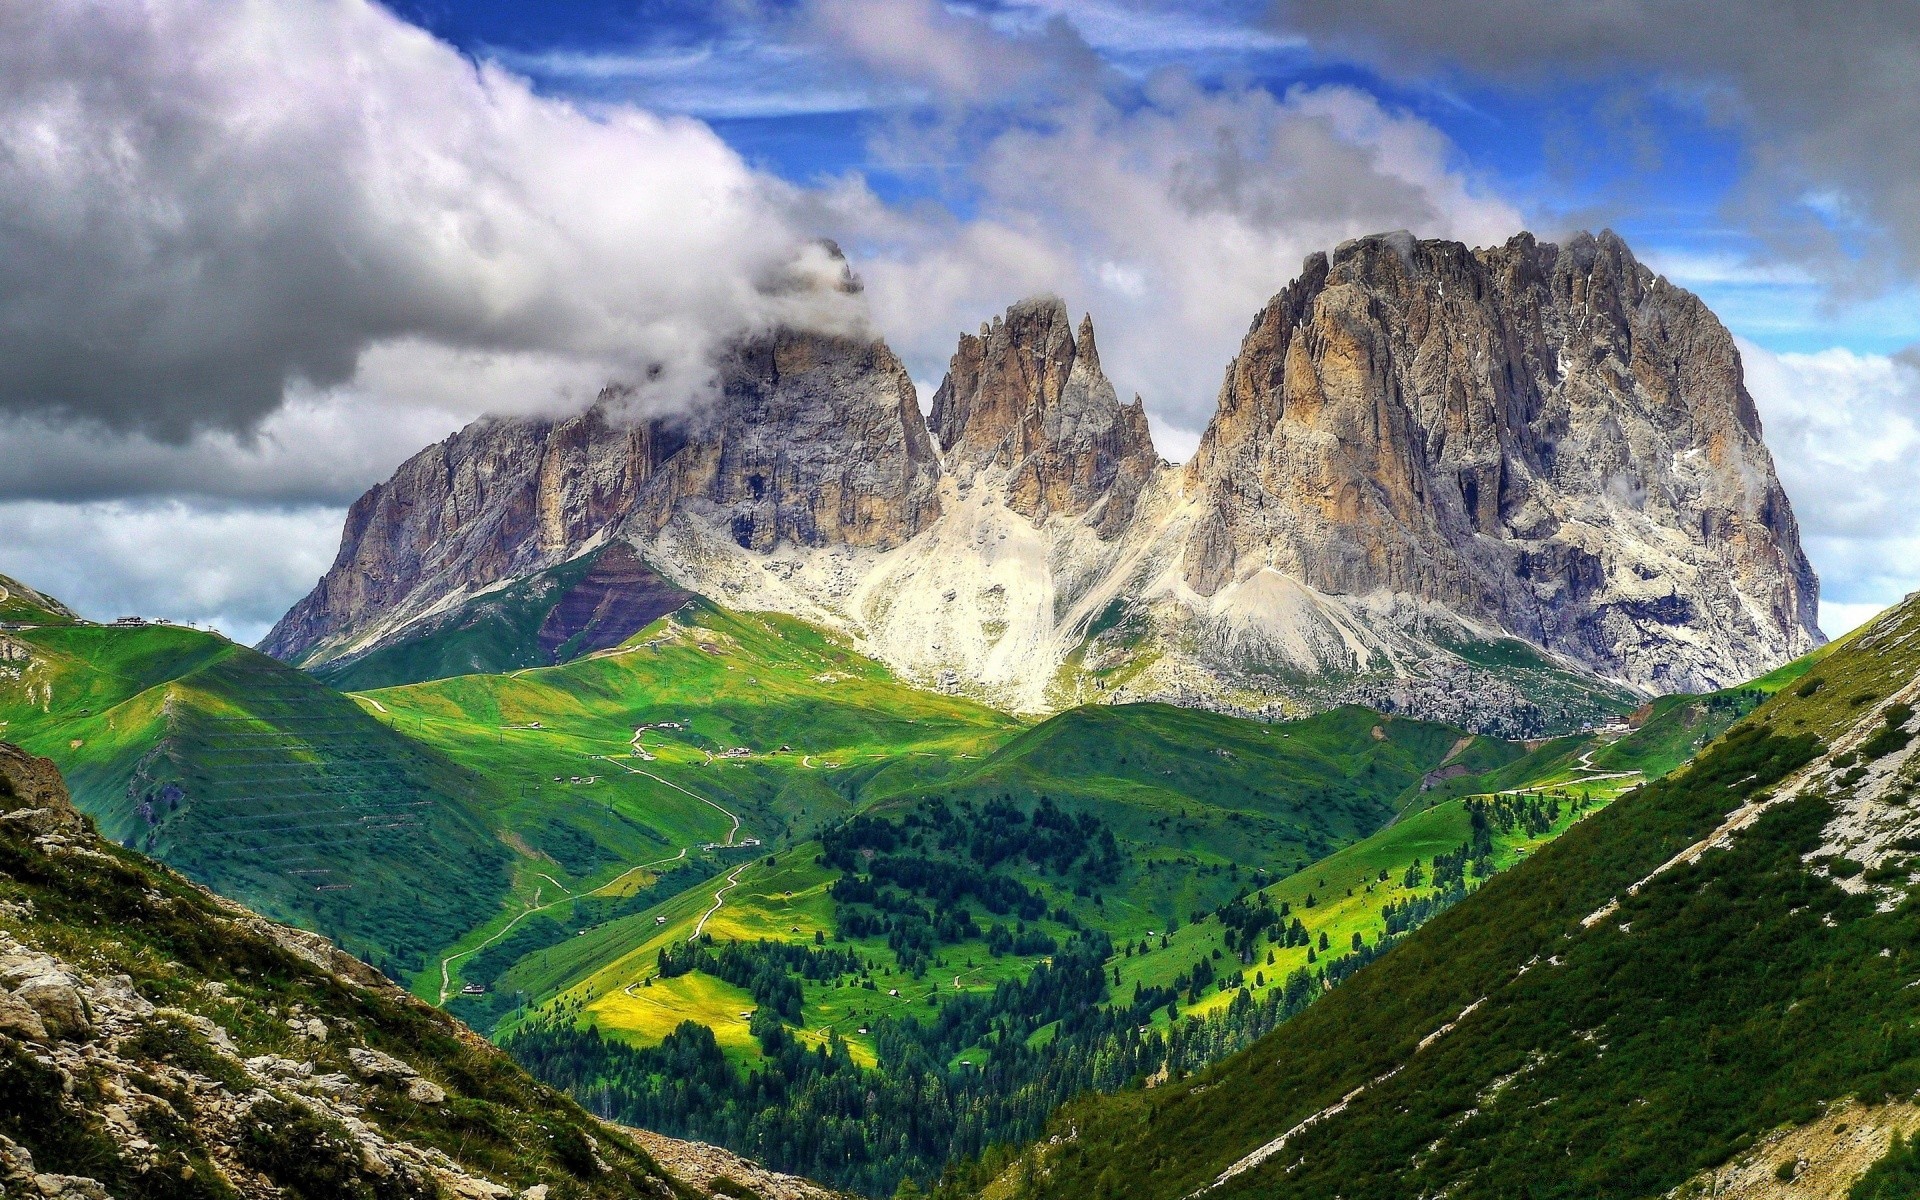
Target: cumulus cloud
(1172, 212)
(954, 56)
(1826, 92)
(233, 568)
(1844, 429)
(208, 204)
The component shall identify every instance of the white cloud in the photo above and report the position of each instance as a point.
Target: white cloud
(232, 568)
(1173, 220)
(1837, 619)
(1844, 429)
(207, 202)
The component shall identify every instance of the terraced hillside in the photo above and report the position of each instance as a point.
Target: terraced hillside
(1704, 989)
(254, 779)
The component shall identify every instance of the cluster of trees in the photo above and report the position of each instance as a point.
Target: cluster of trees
(1000, 832)
(814, 1111)
(1020, 941)
(1400, 916)
(770, 972)
(918, 879)
(949, 1087)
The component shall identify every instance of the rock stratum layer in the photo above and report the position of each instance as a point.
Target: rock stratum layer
(1509, 487)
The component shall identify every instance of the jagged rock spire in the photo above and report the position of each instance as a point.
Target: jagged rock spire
(1026, 399)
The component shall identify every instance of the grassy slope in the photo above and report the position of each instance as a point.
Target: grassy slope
(1252, 792)
(1198, 800)
(1612, 1058)
(822, 728)
(206, 963)
(493, 633)
(254, 779)
(20, 603)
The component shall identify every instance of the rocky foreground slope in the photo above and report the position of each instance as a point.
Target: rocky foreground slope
(1481, 485)
(160, 1043)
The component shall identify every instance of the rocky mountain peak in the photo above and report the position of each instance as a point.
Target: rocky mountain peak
(1026, 400)
(812, 440)
(1550, 440)
(1423, 455)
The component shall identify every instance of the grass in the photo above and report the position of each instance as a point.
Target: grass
(107, 911)
(261, 783)
(23, 605)
(1719, 1000)
(1348, 894)
(489, 634)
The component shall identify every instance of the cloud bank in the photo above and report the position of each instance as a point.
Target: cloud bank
(209, 204)
(1824, 92)
(1844, 429)
(1171, 211)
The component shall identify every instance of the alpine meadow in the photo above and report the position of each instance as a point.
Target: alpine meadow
(959, 600)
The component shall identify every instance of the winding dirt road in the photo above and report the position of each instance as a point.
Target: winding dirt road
(719, 897)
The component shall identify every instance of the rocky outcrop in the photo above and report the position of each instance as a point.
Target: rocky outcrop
(1509, 487)
(1026, 399)
(811, 439)
(614, 600)
(714, 1171)
(1551, 442)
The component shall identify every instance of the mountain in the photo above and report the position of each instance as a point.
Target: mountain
(256, 780)
(1547, 441)
(1519, 488)
(1704, 989)
(160, 1043)
(21, 605)
(593, 602)
(811, 440)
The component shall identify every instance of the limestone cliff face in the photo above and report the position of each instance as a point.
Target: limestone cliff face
(1550, 441)
(812, 439)
(1027, 399)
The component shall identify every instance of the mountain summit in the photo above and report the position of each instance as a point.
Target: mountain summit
(1512, 487)
(1548, 441)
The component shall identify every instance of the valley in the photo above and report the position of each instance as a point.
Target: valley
(871, 796)
(733, 843)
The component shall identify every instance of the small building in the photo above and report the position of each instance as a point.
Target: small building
(474, 989)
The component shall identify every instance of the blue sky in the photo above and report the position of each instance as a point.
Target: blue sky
(1627, 150)
(1162, 165)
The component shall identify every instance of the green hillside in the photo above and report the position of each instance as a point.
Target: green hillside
(1619, 1015)
(161, 1044)
(259, 782)
(498, 631)
(1276, 796)
(20, 604)
(638, 771)
(951, 960)
(592, 603)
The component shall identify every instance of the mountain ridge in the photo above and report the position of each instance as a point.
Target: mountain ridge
(1426, 461)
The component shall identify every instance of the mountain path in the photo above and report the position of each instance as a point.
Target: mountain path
(719, 897)
(446, 964)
